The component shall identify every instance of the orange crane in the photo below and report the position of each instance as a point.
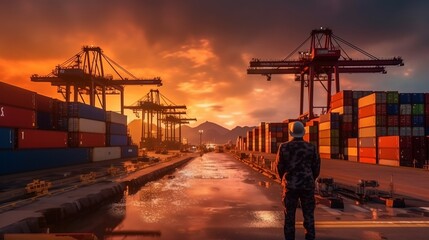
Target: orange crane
(324, 62)
(86, 73)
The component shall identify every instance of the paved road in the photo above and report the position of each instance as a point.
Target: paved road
(218, 197)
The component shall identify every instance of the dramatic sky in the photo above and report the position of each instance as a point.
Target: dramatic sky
(201, 48)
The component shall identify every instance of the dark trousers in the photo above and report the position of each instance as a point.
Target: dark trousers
(308, 204)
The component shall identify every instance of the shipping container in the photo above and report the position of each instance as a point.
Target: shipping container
(81, 110)
(7, 138)
(117, 140)
(84, 139)
(418, 98)
(372, 131)
(44, 121)
(44, 103)
(105, 153)
(17, 97)
(34, 138)
(368, 142)
(250, 140)
(114, 117)
(24, 160)
(116, 129)
(405, 109)
(377, 97)
(129, 151)
(405, 98)
(369, 160)
(86, 125)
(17, 117)
(392, 97)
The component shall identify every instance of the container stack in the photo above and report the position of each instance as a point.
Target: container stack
(372, 124)
(329, 135)
(392, 109)
(241, 143)
(262, 137)
(351, 152)
(312, 132)
(276, 133)
(395, 151)
(255, 142)
(27, 144)
(116, 129)
(249, 143)
(86, 125)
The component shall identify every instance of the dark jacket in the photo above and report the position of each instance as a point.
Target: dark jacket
(298, 164)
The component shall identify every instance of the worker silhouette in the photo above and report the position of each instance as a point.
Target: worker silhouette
(298, 166)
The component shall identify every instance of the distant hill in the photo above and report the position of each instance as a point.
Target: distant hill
(212, 132)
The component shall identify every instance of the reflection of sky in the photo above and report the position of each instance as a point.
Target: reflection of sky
(201, 195)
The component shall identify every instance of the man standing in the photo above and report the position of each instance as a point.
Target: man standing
(298, 166)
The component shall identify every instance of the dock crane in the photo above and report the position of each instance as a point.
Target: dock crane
(86, 73)
(155, 105)
(324, 62)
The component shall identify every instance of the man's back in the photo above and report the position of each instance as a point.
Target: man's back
(298, 164)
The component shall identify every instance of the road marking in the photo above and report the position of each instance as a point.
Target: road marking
(369, 224)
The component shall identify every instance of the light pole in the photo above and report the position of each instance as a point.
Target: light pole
(201, 135)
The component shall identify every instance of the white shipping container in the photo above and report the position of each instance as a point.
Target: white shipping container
(105, 153)
(405, 131)
(405, 109)
(116, 118)
(418, 131)
(86, 125)
(392, 131)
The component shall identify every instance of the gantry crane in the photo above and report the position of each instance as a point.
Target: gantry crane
(325, 60)
(154, 104)
(86, 72)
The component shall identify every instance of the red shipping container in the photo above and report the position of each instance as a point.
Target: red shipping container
(33, 138)
(388, 153)
(347, 126)
(367, 111)
(405, 120)
(395, 142)
(427, 109)
(17, 117)
(368, 152)
(17, 97)
(367, 160)
(82, 139)
(325, 155)
(43, 103)
(427, 98)
(393, 121)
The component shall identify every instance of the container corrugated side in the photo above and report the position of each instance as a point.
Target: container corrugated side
(44, 103)
(86, 125)
(83, 139)
(116, 118)
(17, 97)
(131, 151)
(17, 117)
(80, 110)
(116, 129)
(105, 153)
(17, 161)
(377, 97)
(44, 120)
(117, 140)
(7, 138)
(34, 138)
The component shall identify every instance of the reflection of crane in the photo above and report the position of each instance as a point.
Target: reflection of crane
(154, 104)
(325, 59)
(86, 73)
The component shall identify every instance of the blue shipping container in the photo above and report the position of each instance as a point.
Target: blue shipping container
(405, 98)
(418, 121)
(116, 129)
(117, 140)
(44, 121)
(418, 98)
(37, 159)
(392, 109)
(7, 138)
(129, 151)
(80, 110)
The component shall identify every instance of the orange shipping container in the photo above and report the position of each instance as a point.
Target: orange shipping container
(389, 153)
(368, 160)
(388, 162)
(368, 152)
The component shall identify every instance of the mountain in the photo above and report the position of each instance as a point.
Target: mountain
(211, 132)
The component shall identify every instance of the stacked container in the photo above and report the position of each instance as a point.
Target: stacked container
(372, 124)
(329, 137)
(255, 142)
(249, 143)
(312, 132)
(86, 125)
(276, 133)
(116, 129)
(392, 109)
(351, 152)
(395, 151)
(262, 137)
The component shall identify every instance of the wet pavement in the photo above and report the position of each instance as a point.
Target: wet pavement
(218, 197)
